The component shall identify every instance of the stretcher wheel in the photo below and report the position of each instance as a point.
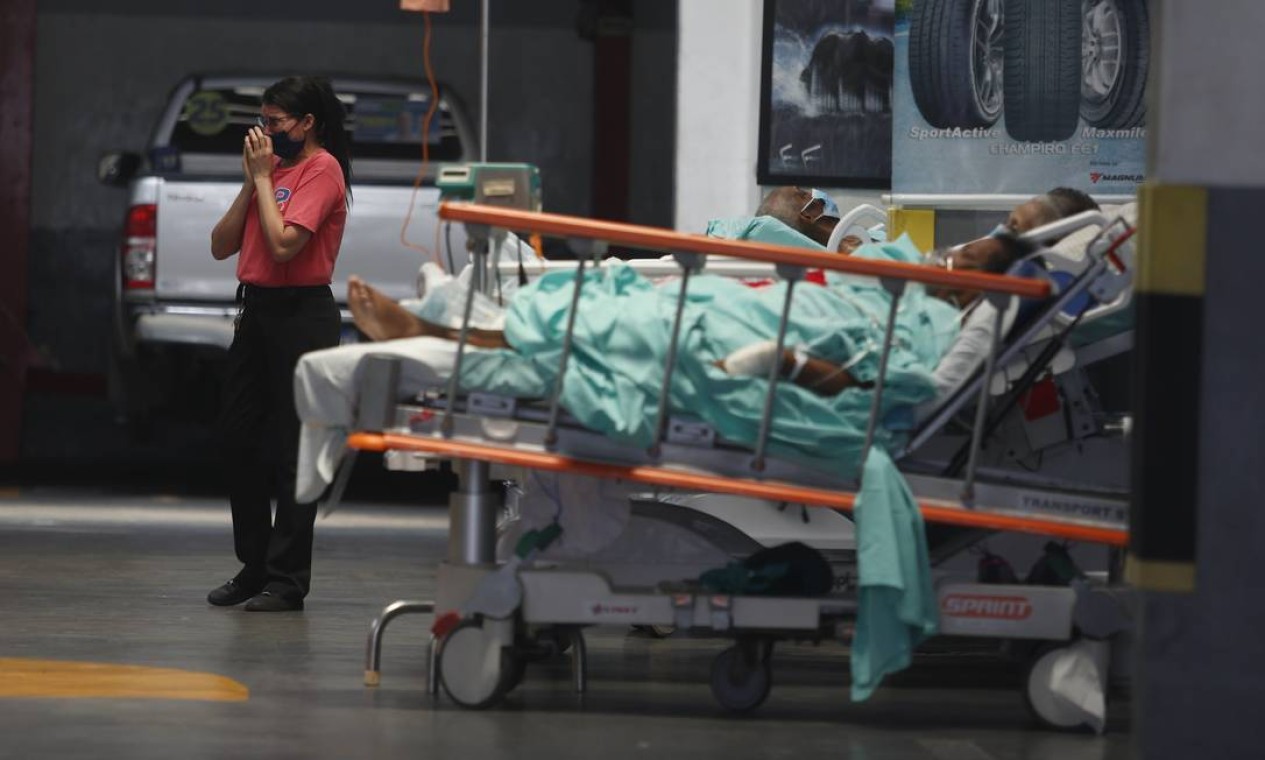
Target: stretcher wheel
(742, 676)
(656, 631)
(560, 639)
(1048, 709)
(474, 669)
(515, 668)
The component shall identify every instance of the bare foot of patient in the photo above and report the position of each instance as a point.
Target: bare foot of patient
(377, 316)
(380, 318)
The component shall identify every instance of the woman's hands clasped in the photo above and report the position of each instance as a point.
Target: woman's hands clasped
(257, 155)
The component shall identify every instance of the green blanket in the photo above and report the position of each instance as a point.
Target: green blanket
(897, 605)
(623, 330)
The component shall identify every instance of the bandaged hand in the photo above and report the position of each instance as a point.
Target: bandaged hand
(751, 361)
(820, 376)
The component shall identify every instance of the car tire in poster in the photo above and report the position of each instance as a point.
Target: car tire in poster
(1117, 53)
(1043, 69)
(955, 61)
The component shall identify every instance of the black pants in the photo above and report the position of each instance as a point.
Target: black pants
(259, 432)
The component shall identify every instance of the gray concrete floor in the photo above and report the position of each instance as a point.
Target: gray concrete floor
(104, 576)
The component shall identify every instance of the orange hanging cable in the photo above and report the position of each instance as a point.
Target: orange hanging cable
(421, 172)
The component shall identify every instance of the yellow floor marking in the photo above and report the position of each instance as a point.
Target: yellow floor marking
(79, 680)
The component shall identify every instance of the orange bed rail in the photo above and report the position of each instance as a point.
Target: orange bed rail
(932, 510)
(670, 241)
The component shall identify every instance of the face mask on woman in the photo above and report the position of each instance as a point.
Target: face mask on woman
(285, 147)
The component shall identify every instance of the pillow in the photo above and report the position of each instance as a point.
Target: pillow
(1073, 246)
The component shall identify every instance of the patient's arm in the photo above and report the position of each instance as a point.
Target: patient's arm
(380, 318)
(820, 376)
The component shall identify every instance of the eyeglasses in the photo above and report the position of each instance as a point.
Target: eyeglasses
(819, 202)
(273, 122)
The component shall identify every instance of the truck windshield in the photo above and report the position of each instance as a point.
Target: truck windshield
(386, 129)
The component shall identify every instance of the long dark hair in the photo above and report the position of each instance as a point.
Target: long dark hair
(303, 95)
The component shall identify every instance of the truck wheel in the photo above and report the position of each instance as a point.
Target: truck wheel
(1043, 69)
(1116, 42)
(955, 62)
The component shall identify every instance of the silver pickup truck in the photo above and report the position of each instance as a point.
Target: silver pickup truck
(174, 304)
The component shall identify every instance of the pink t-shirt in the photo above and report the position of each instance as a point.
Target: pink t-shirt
(311, 195)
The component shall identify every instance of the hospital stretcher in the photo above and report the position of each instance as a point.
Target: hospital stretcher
(491, 619)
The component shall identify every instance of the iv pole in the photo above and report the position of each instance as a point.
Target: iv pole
(483, 80)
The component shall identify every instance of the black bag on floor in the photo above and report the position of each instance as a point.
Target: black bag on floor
(1055, 567)
(793, 569)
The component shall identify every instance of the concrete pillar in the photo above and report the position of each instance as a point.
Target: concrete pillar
(1199, 527)
(17, 60)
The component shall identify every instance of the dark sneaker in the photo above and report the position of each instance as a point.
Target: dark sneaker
(232, 592)
(273, 602)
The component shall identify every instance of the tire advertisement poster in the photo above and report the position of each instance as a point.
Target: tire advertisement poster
(1019, 96)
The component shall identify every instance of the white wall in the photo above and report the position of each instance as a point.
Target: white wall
(718, 113)
(718, 103)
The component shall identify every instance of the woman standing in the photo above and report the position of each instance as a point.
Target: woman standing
(287, 221)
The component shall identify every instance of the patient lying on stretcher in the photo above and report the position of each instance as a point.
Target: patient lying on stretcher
(622, 333)
(623, 326)
(381, 318)
(809, 213)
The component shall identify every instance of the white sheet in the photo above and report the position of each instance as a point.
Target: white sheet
(325, 388)
(591, 511)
